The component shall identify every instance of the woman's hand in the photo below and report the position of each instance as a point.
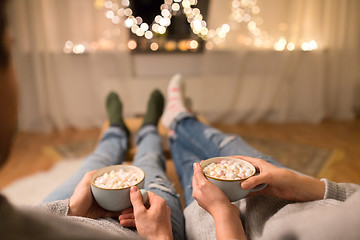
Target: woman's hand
(208, 196)
(283, 183)
(83, 204)
(226, 215)
(153, 222)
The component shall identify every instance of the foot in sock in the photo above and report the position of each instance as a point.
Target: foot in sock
(155, 108)
(114, 111)
(175, 100)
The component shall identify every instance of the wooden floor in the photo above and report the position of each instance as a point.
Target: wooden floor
(29, 153)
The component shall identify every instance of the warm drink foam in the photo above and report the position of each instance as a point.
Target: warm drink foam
(117, 179)
(228, 170)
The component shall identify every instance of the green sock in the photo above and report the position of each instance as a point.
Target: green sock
(155, 108)
(114, 111)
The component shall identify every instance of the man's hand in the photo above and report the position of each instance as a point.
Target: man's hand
(127, 218)
(153, 222)
(83, 204)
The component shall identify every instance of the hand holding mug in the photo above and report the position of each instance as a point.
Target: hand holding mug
(83, 204)
(116, 198)
(226, 215)
(283, 183)
(227, 173)
(153, 222)
(208, 196)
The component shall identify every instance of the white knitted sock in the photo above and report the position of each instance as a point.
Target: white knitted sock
(175, 100)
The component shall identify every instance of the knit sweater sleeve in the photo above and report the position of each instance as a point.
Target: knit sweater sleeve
(199, 224)
(60, 207)
(329, 218)
(339, 191)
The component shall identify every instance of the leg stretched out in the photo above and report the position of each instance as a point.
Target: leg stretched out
(192, 141)
(110, 150)
(150, 157)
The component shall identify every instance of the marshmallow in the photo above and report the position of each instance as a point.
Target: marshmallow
(228, 170)
(117, 179)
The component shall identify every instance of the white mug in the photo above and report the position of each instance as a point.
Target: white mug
(232, 188)
(116, 199)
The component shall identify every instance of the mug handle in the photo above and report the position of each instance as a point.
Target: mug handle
(258, 187)
(144, 195)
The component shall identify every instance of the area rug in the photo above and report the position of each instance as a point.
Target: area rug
(306, 159)
(75, 149)
(33, 189)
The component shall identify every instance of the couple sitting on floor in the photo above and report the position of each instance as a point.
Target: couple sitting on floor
(292, 206)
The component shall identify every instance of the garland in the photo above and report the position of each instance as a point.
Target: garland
(241, 11)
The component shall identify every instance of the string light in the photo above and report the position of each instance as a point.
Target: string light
(242, 12)
(154, 46)
(132, 44)
(159, 25)
(290, 46)
(309, 46)
(280, 44)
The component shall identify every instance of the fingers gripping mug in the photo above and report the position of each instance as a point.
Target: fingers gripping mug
(228, 173)
(111, 185)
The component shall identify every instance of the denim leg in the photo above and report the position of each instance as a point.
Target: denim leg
(109, 151)
(194, 141)
(183, 160)
(151, 159)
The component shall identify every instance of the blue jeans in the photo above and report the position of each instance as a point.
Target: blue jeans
(149, 157)
(193, 141)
